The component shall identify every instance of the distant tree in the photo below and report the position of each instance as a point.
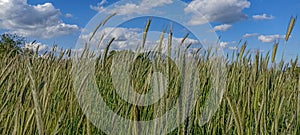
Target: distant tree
(11, 44)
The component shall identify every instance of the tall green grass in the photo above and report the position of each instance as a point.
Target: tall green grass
(38, 97)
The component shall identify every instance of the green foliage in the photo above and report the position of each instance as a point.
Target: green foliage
(11, 44)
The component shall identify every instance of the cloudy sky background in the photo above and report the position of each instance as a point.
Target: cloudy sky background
(259, 22)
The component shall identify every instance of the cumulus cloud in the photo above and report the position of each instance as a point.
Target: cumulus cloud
(225, 45)
(222, 27)
(263, 17)
(125, 38)
(144, 6)
(224, 11)
(35, 46)
(270, 38)
(131, 38)
(42, 21)
(68, 15)
(99, 7)
(247, 35)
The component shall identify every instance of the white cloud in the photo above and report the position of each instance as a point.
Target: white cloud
(247, 35)
(270, 38)
(68, 15)
(42, 21)
(222, 27)
(34, 46)
(99, 7)
(225, 11)
(131, 38)
(144, 6)
(263, 17)
(125, 38)
(226, 45)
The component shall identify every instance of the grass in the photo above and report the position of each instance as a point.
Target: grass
(38, 97)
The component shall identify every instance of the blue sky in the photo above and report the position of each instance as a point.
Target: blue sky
(259, 22)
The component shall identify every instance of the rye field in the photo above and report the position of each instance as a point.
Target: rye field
(261, 95)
